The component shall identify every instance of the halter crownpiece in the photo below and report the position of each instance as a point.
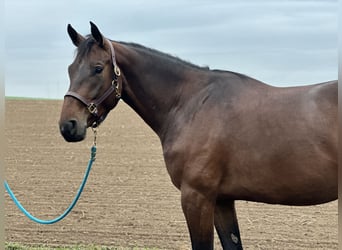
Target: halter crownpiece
(92, 105)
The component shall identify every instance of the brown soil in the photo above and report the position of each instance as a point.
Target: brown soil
(129, 200)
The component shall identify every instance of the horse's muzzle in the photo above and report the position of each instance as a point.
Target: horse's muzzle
(72, 131)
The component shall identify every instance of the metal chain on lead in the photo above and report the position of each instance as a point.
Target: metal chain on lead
(94, 128)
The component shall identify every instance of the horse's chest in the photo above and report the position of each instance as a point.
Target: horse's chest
(194, 165)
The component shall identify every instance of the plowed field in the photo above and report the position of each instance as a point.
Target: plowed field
(129, 200)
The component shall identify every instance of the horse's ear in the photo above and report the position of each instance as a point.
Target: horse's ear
(75, 37)
(97, 34)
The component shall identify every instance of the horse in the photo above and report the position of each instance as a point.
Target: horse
(225, 136)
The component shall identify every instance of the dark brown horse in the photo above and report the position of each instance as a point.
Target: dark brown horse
(225, 136)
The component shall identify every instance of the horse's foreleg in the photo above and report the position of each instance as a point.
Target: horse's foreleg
(199, 214)
(226, 225)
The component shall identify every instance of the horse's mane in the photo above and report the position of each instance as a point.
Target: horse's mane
(178, 60)
(86, 46)
(163, 55)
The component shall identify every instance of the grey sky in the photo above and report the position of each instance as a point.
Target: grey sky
(279, 42)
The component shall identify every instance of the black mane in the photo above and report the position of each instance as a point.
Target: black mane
(86, 46)
(177, 60)
(163, 55)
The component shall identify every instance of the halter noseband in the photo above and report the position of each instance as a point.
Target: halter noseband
(92, 105)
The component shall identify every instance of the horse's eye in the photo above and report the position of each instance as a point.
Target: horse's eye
(98, 69)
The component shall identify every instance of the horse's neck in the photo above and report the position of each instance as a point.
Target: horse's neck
(150, 86)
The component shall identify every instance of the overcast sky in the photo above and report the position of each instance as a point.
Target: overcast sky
(282, 43)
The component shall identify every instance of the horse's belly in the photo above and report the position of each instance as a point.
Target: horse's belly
(296, 185)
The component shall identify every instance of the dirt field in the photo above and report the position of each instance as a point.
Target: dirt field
(129, 200)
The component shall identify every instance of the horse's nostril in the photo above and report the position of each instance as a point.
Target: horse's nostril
(72, 127)
(69, 127)
(70, 131)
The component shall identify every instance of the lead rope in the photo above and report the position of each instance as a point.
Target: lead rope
(73, 203)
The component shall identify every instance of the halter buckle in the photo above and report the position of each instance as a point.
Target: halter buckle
(92, 108)
(115, 84)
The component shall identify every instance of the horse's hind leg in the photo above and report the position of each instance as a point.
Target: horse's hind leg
(226, 225)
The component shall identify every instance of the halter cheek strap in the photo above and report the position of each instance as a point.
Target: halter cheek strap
(117, 72)
(115, 87)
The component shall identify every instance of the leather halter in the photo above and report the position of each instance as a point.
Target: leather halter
(93, 104)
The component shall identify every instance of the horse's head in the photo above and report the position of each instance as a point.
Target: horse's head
(95, 85)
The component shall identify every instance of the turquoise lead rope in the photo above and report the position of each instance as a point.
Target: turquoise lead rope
(73, 203)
